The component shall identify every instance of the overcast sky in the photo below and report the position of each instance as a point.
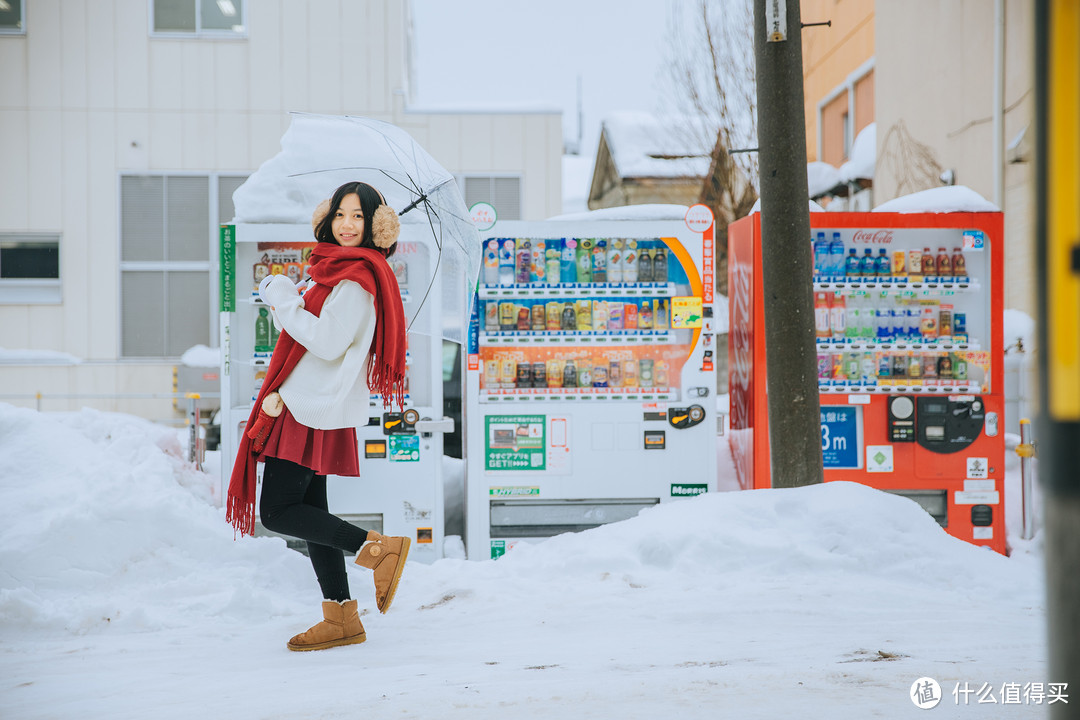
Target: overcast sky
(483, 54)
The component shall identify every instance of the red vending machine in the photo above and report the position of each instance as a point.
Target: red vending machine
(908, 317)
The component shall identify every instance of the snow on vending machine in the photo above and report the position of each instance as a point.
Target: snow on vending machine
(910, 355)
(589, 376)
(400, 488)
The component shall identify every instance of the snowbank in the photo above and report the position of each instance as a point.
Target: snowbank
(104, 525)
(37, 357)
(956, 198)
(201, 356)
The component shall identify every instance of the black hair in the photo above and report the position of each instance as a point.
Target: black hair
(370, 200)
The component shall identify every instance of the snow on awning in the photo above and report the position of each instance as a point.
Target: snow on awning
(863, 156)
(821, 177)
(644, 145)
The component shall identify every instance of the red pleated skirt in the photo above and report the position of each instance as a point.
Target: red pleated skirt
(327, 452)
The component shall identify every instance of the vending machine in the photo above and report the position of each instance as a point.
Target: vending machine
(908, 318)
(400, 488)
(590, 368)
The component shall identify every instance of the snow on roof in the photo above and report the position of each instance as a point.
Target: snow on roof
(863, 156)
(821, 177)
(956, 198)
(814, 207)
(653, 211)
(644, 145)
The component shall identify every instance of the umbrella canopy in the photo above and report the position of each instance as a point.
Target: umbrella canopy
(319, 153)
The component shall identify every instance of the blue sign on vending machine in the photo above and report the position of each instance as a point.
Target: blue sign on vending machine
(840, 436)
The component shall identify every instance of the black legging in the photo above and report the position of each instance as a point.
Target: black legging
(293, 502)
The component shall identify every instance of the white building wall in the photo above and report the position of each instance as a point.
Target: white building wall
(87, 94)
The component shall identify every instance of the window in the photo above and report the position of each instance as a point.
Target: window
(12, 17)
(168, 227)
(502, 192)
(29, 268)
(209, 18)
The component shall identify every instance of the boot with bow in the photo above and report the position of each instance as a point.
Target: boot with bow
(340, 626)
(385, 555)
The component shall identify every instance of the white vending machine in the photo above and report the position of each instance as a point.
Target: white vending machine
(399, 491)
(591, 365)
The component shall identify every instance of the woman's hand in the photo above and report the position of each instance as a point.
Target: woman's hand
(276, 290)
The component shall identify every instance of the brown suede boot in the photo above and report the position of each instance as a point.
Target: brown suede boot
(386, 556)
(340, 626)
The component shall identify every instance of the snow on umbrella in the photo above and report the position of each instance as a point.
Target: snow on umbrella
(319, 153)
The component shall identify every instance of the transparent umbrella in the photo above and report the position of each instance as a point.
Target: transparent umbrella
(321, 152)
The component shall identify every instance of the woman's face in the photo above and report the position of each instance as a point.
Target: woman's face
(348, 222)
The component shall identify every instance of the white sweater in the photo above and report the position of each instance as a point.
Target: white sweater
(328, 387)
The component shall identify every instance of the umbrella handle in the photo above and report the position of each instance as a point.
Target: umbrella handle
(413, 204)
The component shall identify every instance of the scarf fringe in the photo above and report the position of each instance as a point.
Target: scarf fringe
(241, 514)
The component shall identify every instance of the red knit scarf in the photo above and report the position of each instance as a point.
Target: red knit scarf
(330, 264)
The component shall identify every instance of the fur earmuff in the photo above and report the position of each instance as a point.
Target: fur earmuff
(385, 226)
(320, 212)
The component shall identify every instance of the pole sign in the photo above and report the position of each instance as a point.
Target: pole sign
(840, 436)
(228, 268)
(775, 20)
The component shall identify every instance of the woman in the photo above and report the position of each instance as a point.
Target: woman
(340, 341)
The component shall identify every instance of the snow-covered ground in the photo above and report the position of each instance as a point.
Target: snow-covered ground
(123, 594)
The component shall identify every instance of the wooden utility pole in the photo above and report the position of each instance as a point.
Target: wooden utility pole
(787, 262)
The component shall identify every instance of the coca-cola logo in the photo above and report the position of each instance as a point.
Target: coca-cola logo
(873, 237)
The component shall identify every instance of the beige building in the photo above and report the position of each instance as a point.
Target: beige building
(956, 99)
(125, 126)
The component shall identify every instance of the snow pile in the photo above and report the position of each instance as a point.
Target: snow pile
(955, 198)
(1018, 325)
(37, 357)
(863, 156)
(201, 356)
(104, 524)
(821, 177)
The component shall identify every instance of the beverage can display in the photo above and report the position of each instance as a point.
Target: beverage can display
(584, 373)
(929, 266)
(491, 373)
(660, 265)
(851, 265)
(630, 262)
(661, 314)
(824, 366)
(630, 316)
(539, 375)
(507, 250)
(554, 373)
(568, 261)
(615, 374)
(660, 369)
(584, 261)
(821, 316)
(552, 269)
(539, 264)
(629, 373)
(914, 262)
(945, 323)
(507, 316)
(928, 324)
(644, 266)
(899, 263)
(837, 318)
(929, 367)
(882, 264)
(569, 317)
(491, 314)
(539, 317)
(615, 315)
(945, 367)
(508, 377)
(491, 262)
(959, 265)
(599, 314)
(644, 320)
(867, 264)
(569, 374)
(524, 318)
(645, 372)
(599, 261)
(960, 327)
(944, 263)
(615, 261)
(554, 315)
(524, 375)
(960, 368)
(584, 315)
(600, 374)
(523, 262)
